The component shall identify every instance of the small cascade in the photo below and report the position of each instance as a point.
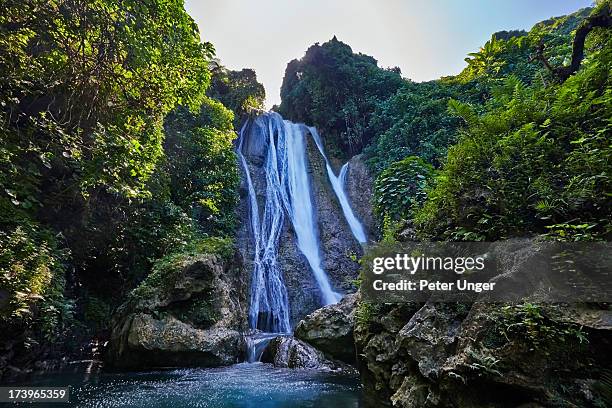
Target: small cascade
(338, 186)
(300, 207)
(256, 343)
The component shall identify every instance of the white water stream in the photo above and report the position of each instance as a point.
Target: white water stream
(287, 194)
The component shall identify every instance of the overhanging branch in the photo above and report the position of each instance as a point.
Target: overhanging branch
(601, 18)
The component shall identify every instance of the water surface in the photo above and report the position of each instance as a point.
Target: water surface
(245, 385)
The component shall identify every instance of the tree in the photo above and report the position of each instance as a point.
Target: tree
(600, 18)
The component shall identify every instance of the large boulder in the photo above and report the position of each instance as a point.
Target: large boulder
(330, 329)
(289, 352)
(191, 311)
(144, 341)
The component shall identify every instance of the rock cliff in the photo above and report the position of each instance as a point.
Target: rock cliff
(339, 248)
(531, 354)
(359, 188)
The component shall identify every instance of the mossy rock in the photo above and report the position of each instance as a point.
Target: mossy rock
(189, 311)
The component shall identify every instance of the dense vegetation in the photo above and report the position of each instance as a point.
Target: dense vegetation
(520, 146)
(112, 155)
(116, 148)
(237, 90)
(336, 91)
(517, 144)
(535, 156)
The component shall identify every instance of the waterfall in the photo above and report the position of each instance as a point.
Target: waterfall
(256, 343)
(338, 186)
(287, 192)
(300, 207)
(269, 309)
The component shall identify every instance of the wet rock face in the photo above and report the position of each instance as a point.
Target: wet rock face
(193, 315)
(330, 329)
(289, 352)
(302, 289)
(482, 355)
(338, 246)
(359, 188)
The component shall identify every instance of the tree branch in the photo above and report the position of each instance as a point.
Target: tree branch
(601, 18)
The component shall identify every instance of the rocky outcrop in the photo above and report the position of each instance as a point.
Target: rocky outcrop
(454, 355)
(188, 312)
(289, 352)
(481, 354)
(330, 329)
(144, 341)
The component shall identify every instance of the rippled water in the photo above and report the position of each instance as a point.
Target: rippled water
(240, 386)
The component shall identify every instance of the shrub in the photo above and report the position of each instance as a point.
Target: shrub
(401, 188)
(32, 282)
(536, 160)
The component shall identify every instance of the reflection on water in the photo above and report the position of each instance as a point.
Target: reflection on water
(240, 386)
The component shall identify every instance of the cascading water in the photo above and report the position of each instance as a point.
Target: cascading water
(287, 192)
(269, 304)
(282, 146)
(338, 186)
(300, 207)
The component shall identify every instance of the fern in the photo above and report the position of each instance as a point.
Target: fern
(463, 110)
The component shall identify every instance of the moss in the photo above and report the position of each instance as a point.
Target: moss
(199, 311)
(167, 270)
(222, 246)
(493, 337)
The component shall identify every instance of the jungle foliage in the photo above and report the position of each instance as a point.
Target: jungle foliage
(237, 90)
(535, 156)
(518, 149)
(112, 156)
(336, 90)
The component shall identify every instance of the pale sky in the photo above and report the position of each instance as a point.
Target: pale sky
(425, 38)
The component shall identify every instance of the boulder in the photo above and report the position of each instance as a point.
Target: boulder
(330, 329)
(188, 312)
(289, 352)
(144, 341)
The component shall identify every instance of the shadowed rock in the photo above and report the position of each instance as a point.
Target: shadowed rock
(330, 329)
(190, 313)
(289, 352)
(482, 354)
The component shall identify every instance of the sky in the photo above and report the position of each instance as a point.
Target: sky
(427, 39)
